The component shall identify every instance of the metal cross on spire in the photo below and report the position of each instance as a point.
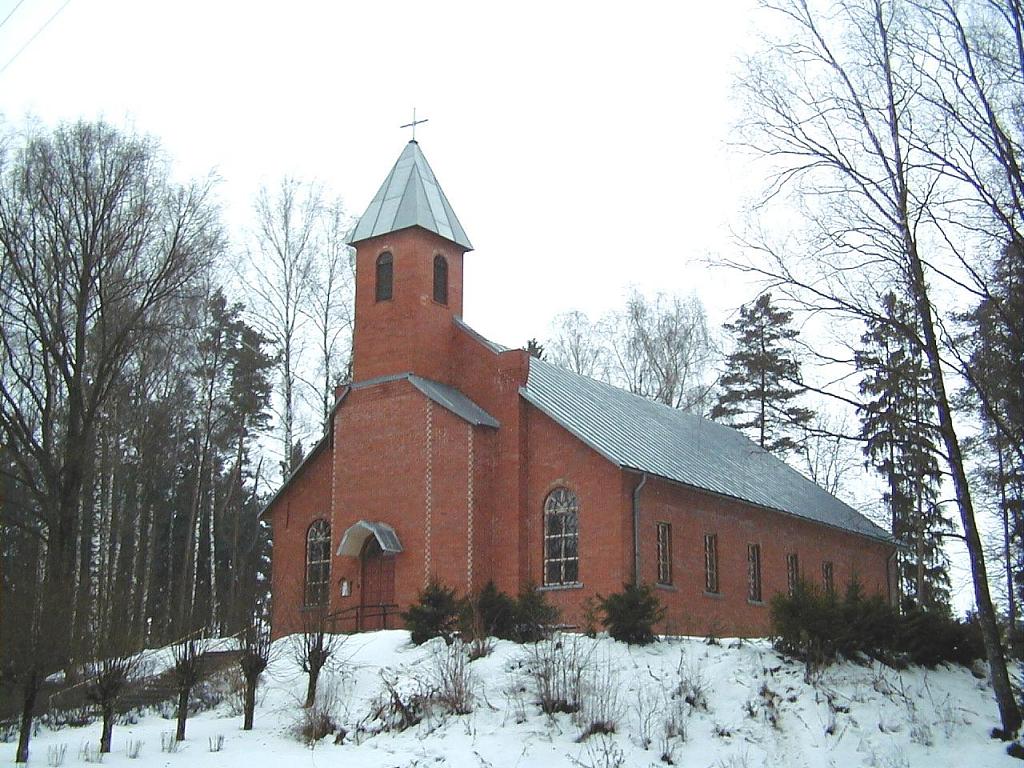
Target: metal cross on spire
(414, 123)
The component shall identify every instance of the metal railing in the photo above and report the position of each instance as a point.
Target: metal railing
(356, 618)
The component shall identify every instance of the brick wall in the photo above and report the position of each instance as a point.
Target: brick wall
(693, 513)
(409, 332)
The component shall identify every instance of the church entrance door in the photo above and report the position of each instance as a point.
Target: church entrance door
(378, 586)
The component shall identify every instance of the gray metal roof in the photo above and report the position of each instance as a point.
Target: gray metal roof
(454, 401)
(410, 197)
(442, 394)
(354, 538)
(639, 434)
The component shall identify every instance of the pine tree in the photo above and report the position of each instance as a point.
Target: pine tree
(897, 423)
(762, 379)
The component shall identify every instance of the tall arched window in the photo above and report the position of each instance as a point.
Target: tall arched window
(318, 563)
(561, 538)
(385, 276)
(440, 279)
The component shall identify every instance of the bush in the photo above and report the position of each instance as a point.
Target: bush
(435, 614)
(491, 613)
(818, 626)
(630, 615)
(930, 638)
(535, 616)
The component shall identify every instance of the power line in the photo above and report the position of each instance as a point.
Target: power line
(16, 7)
(32, 39)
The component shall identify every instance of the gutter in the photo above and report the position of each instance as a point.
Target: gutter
(636, 528)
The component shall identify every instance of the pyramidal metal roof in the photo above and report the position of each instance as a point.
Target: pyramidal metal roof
(410, 197)
(639, 434)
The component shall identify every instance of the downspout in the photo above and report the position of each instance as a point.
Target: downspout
(636, 528)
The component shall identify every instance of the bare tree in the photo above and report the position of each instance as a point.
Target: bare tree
(658, 348)
(189, 663)
(253, 660)
(827, 452)
(330, 308)
(279, 280)
(576, 344)
(96, 241)
(661, 348)
(837, 107)
(313, 647)
(109, 677)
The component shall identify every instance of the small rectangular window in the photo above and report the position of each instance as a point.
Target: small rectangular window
(754, 573)
(792, 572)
(711, 563)
(664, 553)
(827, 578)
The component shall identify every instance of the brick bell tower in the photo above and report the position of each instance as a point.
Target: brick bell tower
(409, 249)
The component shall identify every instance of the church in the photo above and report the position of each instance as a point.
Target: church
(452, 457)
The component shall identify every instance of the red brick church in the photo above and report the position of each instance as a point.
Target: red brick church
(454, 457)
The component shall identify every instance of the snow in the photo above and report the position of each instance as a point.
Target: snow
(759, 711)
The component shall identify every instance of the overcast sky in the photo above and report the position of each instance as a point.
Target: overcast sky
(582, 145)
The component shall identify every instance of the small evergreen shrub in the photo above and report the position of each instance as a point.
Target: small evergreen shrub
(493, 614)
(435, 614)
(818, 626)
(534, 616)
(932, 637)
(630, 615)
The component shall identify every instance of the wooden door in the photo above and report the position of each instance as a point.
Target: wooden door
(378, 586)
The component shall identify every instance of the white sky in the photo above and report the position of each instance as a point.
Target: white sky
(584, 146)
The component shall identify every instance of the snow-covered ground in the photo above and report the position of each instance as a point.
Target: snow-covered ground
(756, 710)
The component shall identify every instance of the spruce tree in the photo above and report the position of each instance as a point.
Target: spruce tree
(997, 396)
(897, 424)
(762, 379)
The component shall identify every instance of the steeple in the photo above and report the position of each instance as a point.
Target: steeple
(410, 197)
(409, 256)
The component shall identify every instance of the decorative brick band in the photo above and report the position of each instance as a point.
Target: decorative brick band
(469, 511)
(429, 490)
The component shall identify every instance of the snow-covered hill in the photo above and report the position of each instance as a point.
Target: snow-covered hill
(731, 705)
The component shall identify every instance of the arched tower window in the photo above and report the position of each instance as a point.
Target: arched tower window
(561, 537)
(318, 563)
(385, 276)
(440, 279)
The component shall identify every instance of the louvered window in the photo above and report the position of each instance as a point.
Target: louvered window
(385, 276)
(440, 279)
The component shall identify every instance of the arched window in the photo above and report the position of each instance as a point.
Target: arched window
(318, 562)
(440, 279)
(561, 537)
(385, 276)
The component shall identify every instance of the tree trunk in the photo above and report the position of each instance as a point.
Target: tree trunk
(29, 690)
(108, 726)
(314, 675)
(1009, 713)
(250, 701)
(183, 694)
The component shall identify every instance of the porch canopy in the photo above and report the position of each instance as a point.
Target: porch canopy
(354, 538)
